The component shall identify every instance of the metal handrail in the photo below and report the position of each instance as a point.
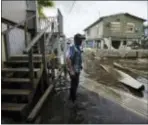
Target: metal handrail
(36, 38)
(19, 24)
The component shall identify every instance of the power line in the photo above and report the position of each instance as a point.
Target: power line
(70, 10)
(72, 7)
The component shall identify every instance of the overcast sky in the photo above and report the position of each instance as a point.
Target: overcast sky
(85, 13)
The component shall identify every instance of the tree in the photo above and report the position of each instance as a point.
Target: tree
(42, 4)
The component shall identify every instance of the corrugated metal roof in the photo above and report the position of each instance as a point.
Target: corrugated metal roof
(100, 19)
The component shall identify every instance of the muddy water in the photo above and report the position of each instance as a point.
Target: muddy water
(132, 99)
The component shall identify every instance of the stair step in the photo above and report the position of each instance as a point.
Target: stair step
(19, 69)
(25, 57)
(23, 61)
(23, 92)
(12, 107)
(20, 80)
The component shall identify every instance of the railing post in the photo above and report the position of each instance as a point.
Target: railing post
(6, 44)
(42, 45)
(25, 33)
(31, 67)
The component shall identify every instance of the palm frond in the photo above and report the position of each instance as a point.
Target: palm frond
(42, 4)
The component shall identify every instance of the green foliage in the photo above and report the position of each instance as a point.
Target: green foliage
(42, 4)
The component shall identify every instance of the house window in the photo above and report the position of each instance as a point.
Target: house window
(115, 26)
(130, 27)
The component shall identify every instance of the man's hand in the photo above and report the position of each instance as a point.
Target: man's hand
(81, 67)
(72, 72)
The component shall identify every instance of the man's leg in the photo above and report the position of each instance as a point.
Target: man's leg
(74, 86)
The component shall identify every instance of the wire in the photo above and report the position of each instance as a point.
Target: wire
(70, 10)
(72, 7)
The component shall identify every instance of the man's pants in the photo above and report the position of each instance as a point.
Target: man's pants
(74, 86)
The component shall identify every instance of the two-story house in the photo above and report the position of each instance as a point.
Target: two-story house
(114, 31)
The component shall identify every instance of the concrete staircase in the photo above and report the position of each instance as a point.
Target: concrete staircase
(17, 91)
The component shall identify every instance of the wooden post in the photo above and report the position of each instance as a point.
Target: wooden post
(30, 55)
(6, 44)
(42, 44)
(25, 33)
(32, 116)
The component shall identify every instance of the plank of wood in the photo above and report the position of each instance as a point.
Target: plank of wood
(62, 88)
(19, 69)
(38, 106)
(26, 55)
(15, 92)
(22, 61)
(12, 107)
(20, 80)
(125, 78)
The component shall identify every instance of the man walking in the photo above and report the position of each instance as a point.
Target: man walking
(74, 63)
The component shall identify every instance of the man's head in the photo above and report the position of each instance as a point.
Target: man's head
(78, 38)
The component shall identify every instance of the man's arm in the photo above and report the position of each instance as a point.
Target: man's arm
(69, 55)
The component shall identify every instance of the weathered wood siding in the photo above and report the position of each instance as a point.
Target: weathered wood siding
(123, 19)
(95, 31)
